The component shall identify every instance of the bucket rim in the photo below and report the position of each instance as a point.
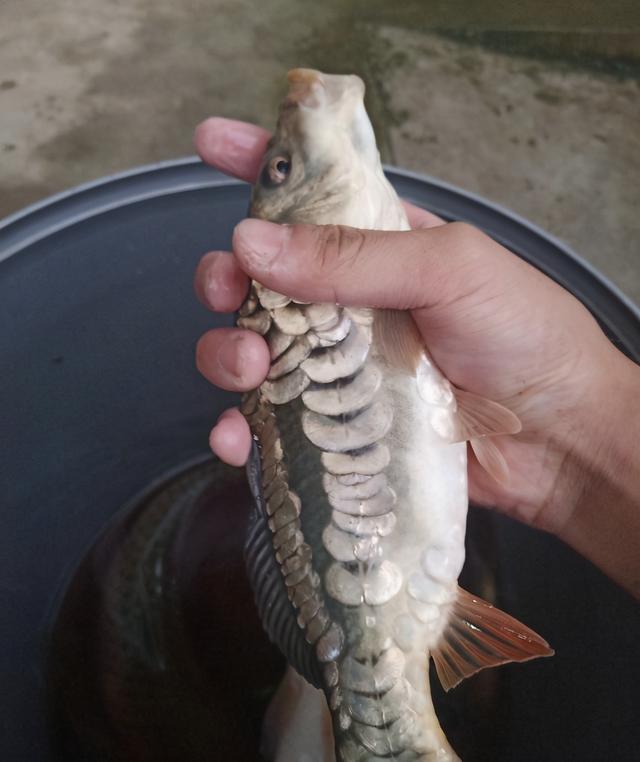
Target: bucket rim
(68, 207)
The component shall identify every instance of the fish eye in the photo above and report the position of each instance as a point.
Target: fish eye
(279, 168)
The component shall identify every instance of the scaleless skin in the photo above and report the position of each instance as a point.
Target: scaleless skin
(365, 489)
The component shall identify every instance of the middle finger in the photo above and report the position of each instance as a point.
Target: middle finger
(219, 282)
(233, 358)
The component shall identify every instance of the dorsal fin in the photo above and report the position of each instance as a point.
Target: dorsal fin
(276, 612)
(479, 635)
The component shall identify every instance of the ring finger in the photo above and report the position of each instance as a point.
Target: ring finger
(233, 358)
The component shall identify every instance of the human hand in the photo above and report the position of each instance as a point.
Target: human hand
(495, 326)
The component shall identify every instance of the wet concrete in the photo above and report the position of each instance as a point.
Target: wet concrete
(537, 108)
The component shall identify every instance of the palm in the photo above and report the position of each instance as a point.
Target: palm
(508, 333)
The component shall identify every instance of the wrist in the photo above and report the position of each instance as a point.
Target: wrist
(601, 479)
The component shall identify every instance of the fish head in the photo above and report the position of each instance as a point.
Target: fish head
(322, 154)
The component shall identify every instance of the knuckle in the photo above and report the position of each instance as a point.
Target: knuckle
(337, 247)
(203, 350)
(467, 245)
(464, 234)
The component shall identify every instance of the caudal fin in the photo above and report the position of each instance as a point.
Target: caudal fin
(478, 636)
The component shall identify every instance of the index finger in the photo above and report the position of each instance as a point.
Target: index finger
(235, 148)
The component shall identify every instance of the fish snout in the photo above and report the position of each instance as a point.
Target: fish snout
(312, 88)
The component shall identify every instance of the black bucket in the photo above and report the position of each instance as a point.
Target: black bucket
(100, 400)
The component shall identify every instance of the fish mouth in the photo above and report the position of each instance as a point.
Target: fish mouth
(313, 89)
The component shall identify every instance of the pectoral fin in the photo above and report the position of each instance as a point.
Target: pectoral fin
(491, 459)
(398, 339)
(478, 636)
(480, 418)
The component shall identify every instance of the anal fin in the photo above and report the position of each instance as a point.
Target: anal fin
(479, 635)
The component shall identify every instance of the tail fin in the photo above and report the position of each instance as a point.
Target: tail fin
(479, 636)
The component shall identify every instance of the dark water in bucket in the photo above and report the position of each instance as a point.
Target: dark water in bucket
(131, 633)
(158, 653)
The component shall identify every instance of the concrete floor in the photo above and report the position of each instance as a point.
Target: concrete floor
(530, 108)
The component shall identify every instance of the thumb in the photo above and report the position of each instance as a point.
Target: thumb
(374, 268)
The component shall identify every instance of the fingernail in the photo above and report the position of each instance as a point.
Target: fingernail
(232, 357)
(207, 134)
(212, 138)
(259, 242)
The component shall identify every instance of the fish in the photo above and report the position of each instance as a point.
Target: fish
(359, 473)
(131, 670)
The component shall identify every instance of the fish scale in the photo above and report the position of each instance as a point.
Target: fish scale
(375, 581)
